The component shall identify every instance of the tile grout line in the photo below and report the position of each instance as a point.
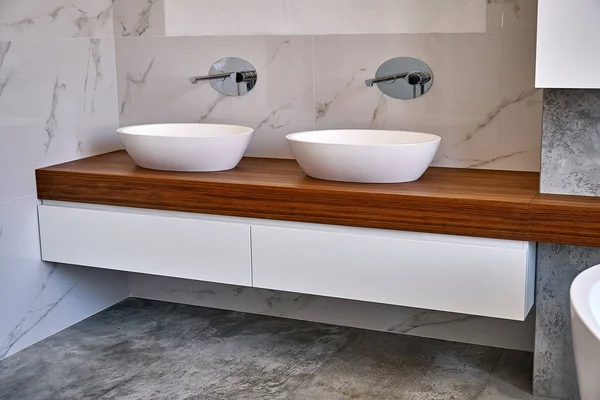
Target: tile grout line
(18, 198)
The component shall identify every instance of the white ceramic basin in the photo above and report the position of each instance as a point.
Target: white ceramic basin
(366, 156)
(186, 147)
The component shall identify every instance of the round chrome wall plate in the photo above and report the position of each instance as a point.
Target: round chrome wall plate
(246, 73)
(403, 78)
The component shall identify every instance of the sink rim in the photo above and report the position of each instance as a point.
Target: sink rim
(146, 130)
(297, 137)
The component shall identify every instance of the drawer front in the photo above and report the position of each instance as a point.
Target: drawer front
(487, 277)
(145, 243)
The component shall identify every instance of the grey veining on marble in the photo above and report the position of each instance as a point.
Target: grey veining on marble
(134, 18)
(93, 75)
(323, 107)
(144, 349)
(380, 317)
(20, 330)
(26, 324)
(571, 142)
(558, 265)
(4, 77)
(51, 122)
(133, 80)
(494, 113)
(55, 19)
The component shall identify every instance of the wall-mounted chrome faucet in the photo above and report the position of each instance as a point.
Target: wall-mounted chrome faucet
(238, 77)
(403, 85)
(241, 80)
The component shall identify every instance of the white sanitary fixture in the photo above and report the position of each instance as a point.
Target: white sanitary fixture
(186, 147)
(585, 316)
(365, 156)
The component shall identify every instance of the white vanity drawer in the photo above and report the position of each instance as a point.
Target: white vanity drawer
(146, 242)
(487, 277)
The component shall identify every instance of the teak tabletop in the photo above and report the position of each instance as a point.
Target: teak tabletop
(484, 203)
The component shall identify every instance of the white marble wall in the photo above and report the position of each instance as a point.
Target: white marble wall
(315, 17)
(55, 19)
(319, 17)
(483, 102)
(58, 102)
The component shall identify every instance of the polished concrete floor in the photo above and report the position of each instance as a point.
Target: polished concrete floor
(142, 349)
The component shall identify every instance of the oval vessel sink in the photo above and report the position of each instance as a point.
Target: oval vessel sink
(365, 156)
(186, 147)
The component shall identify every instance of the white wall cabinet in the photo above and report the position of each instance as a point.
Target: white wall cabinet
(568, 44)
(477, 276)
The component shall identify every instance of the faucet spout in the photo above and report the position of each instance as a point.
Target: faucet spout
(220, 76)
(387, 79)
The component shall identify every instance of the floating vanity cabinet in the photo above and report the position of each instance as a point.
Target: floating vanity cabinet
(468, 275)
(488, 277)
(568, 44)
(147, 241)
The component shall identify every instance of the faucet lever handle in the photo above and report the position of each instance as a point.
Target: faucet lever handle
(244, 76)
(418, 78)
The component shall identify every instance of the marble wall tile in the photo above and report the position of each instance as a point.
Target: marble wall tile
(316, 17)
(58, 102)
(483, 103)
(153, 76)
(53, 111)
(571, 142)
(39, 299)
(381, 317)
(511, 15)
(54, 19)
(139, 18)
(554, 369)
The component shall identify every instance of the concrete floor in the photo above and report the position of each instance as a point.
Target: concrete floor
(142, 349)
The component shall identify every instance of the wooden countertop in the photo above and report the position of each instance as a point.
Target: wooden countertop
(494, 204)
(565, 219)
